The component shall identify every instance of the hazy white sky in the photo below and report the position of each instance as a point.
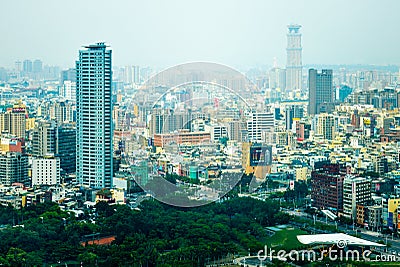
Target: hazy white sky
(234, 32)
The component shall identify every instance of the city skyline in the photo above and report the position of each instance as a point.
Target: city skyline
(164, 34)
(199, 133)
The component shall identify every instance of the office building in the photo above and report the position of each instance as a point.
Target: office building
(217, 131)
(94, 161)
(66, 148)
(46, 171)
(69, 90)
(27, 66)
(18, 66)
(131, 75)
(169, 120)
(62, 111)
(68, 75)
(326, 126)
(374, 217)
(49, 139)
(261, 127)
(13, 168)
(13, 122)
(236, 130)
(181, 137)
(294, 65)
(321, 93)
(277, 78)
(37, 66)
(292, 112)
(356, 191)
(327, 186)
(44, 139)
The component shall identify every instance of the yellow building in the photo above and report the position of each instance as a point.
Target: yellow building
(256, 159)
(136, 110)
(301, 173)
(393, 213)
(116, 196)
(30, 124)
(13, 121)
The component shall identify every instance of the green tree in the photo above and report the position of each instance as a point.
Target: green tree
(16, 257)
(88, 258)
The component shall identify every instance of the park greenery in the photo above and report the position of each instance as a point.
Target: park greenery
(153, 235)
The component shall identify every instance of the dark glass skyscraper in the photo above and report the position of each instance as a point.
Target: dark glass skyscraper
(94, 117)
(66, 148)
(320, 91)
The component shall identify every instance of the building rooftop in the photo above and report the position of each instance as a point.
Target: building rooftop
(338, 239)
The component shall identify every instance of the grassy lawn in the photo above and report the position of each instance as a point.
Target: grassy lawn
(285, 239)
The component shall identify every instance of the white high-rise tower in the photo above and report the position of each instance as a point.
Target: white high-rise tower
(294, 62)
(94, 167)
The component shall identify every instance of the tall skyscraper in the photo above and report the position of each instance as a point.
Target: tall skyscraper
(294, 65)
(321, 93)
(27, 66)
(44, 139)
(37, 66)
(14, 121)
(131, 75)
(66, 148)
(18, 66)
(277, 78)
(94, 166)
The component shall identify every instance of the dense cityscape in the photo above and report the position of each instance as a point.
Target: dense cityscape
(199, 164)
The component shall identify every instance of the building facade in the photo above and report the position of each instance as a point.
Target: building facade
(321, 93)
(181, 137)
(326, 126)
(44, 139)
(294, 64)
(356, 191)
(327, 187)
(66, 148)
(13, 168)
(94, 161)
(261, 127)
(14, 122)
(46, 171)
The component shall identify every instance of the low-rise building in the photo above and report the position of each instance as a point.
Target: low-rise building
(46, 171)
